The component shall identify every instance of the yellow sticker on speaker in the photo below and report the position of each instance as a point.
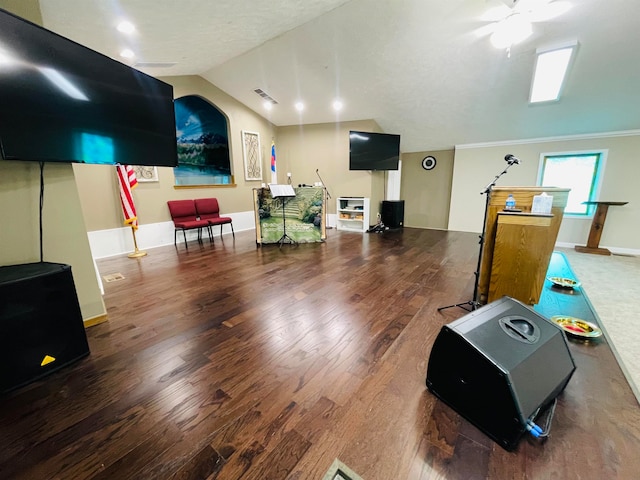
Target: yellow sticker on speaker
(46, 360)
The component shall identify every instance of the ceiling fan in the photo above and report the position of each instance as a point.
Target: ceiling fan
(511, 21)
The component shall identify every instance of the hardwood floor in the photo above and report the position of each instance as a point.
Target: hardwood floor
(227, 361)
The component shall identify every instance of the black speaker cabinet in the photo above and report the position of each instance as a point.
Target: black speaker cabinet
(41, 327)
(498, 365)
(392, 213)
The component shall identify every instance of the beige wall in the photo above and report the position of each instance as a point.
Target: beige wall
(476, 167)
(426, 193)
(64, 233)
(27, 9)
(301, 149)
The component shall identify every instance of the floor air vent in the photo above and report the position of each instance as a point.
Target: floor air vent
(339, 471)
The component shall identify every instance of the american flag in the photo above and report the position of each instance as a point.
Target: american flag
(274, 176)
(127, 181)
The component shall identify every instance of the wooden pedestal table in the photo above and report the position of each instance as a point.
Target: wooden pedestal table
(596, 228)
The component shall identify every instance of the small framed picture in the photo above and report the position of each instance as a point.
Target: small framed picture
(146, 174)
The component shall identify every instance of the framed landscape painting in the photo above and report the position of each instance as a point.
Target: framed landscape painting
(203, 144)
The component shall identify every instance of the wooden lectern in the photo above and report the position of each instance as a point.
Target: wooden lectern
(596, 228)
(518, 245)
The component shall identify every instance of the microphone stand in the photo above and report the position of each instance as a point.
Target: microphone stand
(322, 181)
(474, 303)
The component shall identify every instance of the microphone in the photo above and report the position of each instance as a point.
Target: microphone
(511, 159)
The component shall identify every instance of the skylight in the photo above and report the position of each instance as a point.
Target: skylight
(550, 73)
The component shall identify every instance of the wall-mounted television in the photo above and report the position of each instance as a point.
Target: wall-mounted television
(63, 102)
(373, 151)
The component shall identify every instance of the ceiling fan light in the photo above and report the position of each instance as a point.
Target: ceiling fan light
(524, 5)
(549, 11)
(511, 31)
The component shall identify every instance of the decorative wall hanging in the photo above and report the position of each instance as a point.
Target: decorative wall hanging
(146, 174)
(252, 155)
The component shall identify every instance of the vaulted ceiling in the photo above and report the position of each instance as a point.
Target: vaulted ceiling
(419, 68)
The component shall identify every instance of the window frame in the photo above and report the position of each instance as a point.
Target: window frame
(596, 182)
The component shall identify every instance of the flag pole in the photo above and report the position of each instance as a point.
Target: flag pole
(137, 253)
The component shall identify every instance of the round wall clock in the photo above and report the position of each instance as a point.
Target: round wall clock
(429, 162)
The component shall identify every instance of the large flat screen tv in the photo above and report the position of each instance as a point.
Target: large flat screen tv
(373, 151)
(63, 102)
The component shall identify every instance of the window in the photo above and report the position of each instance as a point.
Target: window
(581, 172)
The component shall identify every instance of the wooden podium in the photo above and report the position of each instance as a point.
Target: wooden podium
(518, 245)
(596, 228)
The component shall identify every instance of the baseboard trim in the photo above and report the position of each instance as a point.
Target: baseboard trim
(119, 241)
(614, 250)
(93, 321)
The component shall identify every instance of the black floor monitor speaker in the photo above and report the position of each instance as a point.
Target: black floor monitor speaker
(498, 366)
(41, 327)
(392, 213)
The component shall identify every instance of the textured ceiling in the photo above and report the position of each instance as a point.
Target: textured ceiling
(417, 67)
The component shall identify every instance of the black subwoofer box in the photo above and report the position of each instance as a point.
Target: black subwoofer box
(498, 366)
(41, 327)
(392, 213)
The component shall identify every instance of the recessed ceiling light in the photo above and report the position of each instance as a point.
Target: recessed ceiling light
(299, 106)
(267, 105)
(126, 27)
(126, 53)
(337, 105)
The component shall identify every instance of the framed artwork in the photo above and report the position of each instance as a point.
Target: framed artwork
(252, 157)
(146, 174)
(203, 144)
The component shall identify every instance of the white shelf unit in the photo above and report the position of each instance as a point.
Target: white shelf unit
(353, 214)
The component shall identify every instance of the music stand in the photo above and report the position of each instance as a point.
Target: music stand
(283, 192)
(475, 303)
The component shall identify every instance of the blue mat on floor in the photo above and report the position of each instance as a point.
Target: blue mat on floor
(564, 301)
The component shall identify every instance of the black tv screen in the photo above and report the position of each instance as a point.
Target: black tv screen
(373, 151)
(63, 102)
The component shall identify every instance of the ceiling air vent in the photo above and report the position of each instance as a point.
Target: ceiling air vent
(265, 95)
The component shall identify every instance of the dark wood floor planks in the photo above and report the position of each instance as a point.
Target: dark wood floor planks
(230, 361)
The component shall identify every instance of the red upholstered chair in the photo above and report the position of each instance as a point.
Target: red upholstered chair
(185, 217)
(208, 209)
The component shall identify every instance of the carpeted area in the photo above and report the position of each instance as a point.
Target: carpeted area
(612, 285)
